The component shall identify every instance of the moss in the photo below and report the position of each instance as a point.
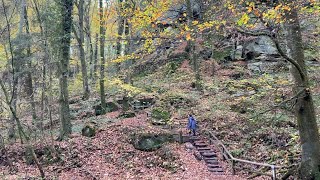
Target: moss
(160, 114)
(171, 67)
(221, 54)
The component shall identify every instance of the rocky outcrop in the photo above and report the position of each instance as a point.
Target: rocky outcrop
(150, 142)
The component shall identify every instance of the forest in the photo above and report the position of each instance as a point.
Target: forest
(160, 89)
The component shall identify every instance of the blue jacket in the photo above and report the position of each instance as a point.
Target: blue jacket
(192, 123)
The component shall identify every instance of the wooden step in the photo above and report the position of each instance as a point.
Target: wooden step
(209, 154)
(215, 169)
(199, 142)
(213, 162)
(213, 166)
(210, 159)
(203, 149)
(201, 145)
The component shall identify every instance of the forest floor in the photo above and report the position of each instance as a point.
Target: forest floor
(109, 155)
(234, 104)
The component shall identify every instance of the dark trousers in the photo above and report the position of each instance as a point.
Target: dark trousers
(193, 131)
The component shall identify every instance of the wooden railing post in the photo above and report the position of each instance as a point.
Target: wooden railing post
(233, 168)
(223, 154)
(274, 176)
(180, 137)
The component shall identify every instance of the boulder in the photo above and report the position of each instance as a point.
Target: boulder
(158, 122)
(261, 67)
(110, 107)
(89, 129)
(261, 45)
(188, 145)
(127, 114)
(74, 100)
(150, 142)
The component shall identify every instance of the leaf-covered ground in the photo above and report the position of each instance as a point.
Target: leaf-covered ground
(109, 155)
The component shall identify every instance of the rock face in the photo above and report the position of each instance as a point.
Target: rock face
(259, 67)
(142, 103)
(261, 45)
(150, 142)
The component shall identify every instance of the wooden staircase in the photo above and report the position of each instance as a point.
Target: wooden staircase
(208, 154)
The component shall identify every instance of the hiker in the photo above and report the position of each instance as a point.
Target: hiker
(192, 125)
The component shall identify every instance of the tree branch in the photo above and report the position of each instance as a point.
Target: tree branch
(281, 52)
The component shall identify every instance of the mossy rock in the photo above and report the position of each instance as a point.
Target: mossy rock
(160, 114)
(127, 114)
(150, 142)
(89, 130)
(110, 107)
(178, 100)
(158, 122)
(241, 107)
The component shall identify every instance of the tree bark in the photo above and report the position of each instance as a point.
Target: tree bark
(89, 45)
(192, 48)
(102, 58)
(86, 92)
(304, 107)
(93, 72)
(29, 81)
(45, 60)
(121, 29)
(66, 7)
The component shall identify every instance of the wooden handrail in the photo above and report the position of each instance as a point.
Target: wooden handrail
(225, 151)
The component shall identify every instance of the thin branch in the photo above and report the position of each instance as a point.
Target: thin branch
(10, 46)
(280, 104)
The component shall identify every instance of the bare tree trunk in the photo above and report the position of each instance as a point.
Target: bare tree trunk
(304, 108)
(121, 29)
(89, 45)
(86, 92)
(66, 7)
(102, 59)
(191, 47)
(45, 61)
(93, 72)
(29, 83)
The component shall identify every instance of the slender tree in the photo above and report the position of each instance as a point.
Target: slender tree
(102, 57)
(80, 39)
(93, 70)
(28, 78)
(45, 59)
(66, 7)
